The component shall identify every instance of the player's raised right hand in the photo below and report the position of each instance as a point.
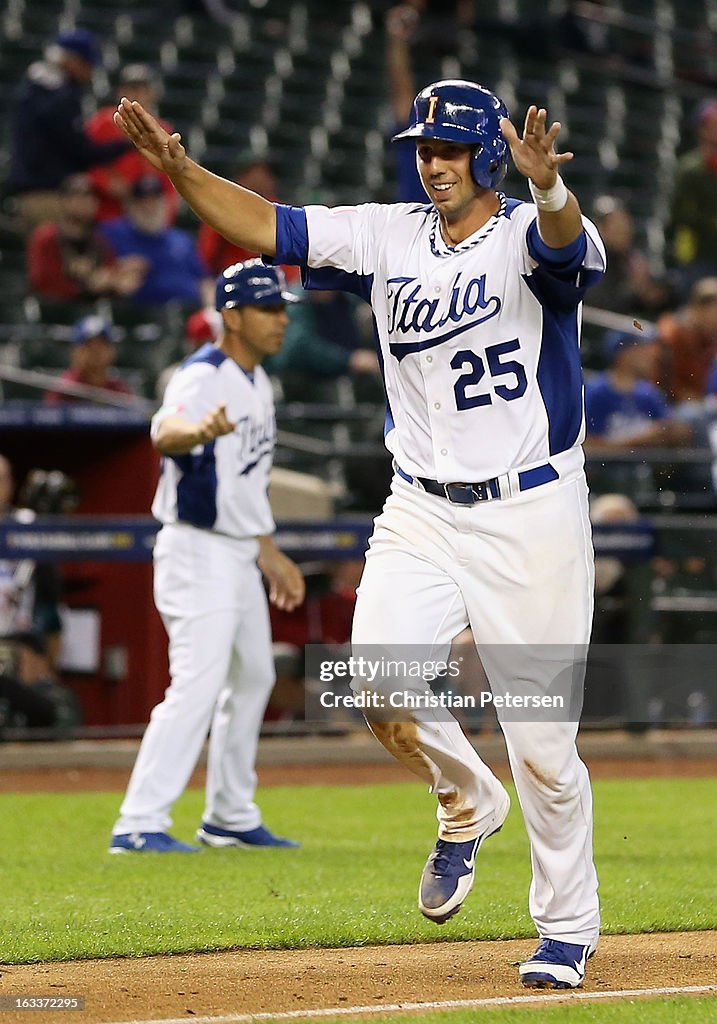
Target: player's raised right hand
(215, 424)
(162, 150)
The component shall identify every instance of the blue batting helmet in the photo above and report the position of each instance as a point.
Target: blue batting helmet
(458, 111)
(252, 283)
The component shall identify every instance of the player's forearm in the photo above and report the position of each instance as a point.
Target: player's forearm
(400, 78)
(560, 227)
(241, 216)
(267, 547)
(176, 435)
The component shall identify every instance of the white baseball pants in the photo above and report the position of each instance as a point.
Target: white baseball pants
(209, 592)
(519, 571)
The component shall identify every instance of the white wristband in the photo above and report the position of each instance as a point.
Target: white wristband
(552, 199)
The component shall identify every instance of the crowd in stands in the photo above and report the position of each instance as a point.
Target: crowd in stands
(100, 224)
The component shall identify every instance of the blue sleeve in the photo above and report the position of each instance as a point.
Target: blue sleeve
(332, 280)
(292, 236)
(560, 280)
(563, 262)
(292, 247)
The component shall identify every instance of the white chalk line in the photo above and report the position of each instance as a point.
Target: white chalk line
(445, 1004)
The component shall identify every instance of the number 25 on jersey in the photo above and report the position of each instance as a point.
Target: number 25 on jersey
(513, 386)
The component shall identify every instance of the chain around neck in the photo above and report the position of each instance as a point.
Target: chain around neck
(462, 247)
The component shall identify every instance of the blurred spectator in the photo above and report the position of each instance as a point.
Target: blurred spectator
(258, 176)
(92, 356)
(174, 270)
(16, 592)
(606, 686)
(627, 286)
(48, 141)
(401, 23)
(321, 341)
(30, 696)
(68, 259)
(43, 493)
(693, 216)
(623, 408)
(609, 571)
(689, 343)
(113, 181)
(201, 327)
(443, 26)
(29, 591)
(584, 27)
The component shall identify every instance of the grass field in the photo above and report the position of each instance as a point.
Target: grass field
(353, 882)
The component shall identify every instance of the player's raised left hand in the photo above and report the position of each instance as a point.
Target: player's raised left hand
(162, 150)
(534, 154)
(286, 584)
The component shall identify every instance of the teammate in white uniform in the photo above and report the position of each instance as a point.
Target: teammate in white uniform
(216, 431)
(477, 303)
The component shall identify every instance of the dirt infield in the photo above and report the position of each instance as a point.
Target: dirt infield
(247, 981)
(69, 780)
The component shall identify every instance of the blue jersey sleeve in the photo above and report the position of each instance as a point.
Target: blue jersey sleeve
(561, 277)
(292, 236)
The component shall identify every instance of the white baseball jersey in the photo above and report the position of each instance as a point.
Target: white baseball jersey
(479, 343)
(220, 486)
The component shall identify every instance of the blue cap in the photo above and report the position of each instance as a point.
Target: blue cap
(92, 327)
(252, 283)
(81, 42)
(618, 341)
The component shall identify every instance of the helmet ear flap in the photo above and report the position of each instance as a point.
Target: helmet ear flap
(475, 162)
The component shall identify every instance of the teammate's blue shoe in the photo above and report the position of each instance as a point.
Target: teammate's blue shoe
(149, 842)
(555, 964)
(450, 872)
(212, 835)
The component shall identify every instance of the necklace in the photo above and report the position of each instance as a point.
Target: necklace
(461, 248)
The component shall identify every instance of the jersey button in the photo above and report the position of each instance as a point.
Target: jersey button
(436, 405)
(429, 359)
(444, 451)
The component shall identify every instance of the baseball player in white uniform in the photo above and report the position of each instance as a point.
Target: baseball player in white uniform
(216, 431)
(477, 303)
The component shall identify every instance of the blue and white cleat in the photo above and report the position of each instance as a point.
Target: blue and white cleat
(450, 872)
(149, 842)
(212, 835)
(555, 964)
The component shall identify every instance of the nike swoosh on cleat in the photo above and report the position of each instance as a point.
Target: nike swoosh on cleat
(580, 964)
(470, 864)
